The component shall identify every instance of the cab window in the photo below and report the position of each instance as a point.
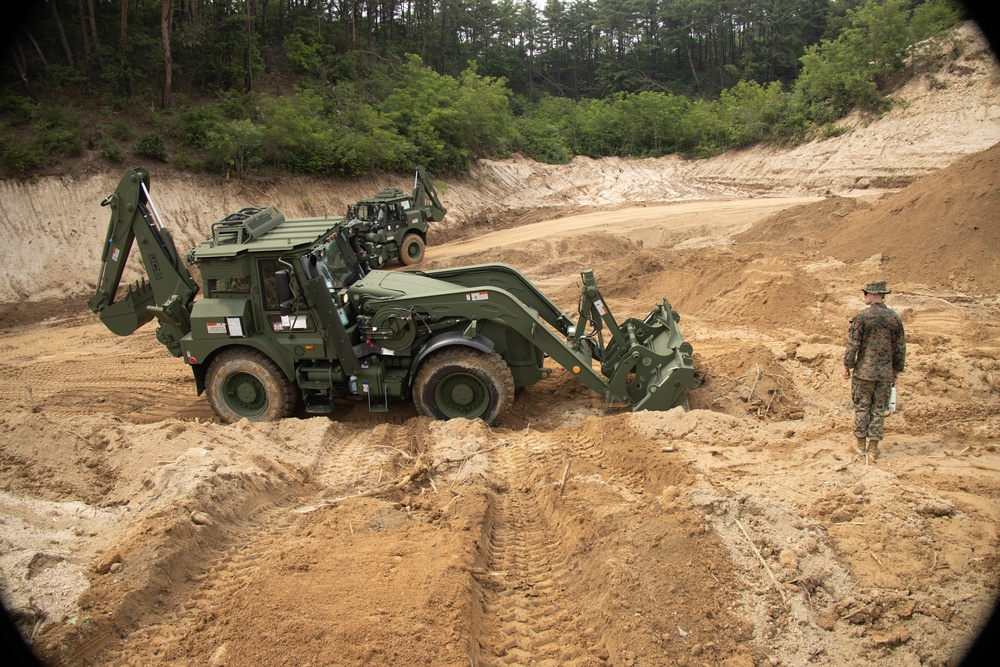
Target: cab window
(280, 323)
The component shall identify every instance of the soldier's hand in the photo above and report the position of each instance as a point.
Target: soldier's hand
(847, 373)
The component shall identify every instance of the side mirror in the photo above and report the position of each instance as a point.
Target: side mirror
(283, 282)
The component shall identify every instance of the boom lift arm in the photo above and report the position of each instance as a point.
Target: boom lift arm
(167, 293)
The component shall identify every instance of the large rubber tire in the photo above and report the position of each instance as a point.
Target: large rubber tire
(245, 384)
(463, 383)
(411, 250)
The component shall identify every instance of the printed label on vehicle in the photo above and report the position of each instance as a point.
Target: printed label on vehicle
(216, 327)
(600, 307)
(235, 327)
(294, 322)
(114, 254)
(477, 296)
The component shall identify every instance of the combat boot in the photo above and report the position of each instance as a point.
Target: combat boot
(871, 453)
(859, 447)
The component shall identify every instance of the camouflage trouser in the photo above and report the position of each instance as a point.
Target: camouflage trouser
(871, 400)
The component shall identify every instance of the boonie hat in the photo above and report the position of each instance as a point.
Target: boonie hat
(876, 287)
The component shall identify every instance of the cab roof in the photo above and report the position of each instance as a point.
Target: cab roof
(264, 231)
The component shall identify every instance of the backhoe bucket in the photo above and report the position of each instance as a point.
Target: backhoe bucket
(126, 315)
(651, 363)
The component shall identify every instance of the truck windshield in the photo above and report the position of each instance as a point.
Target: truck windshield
(341, 262)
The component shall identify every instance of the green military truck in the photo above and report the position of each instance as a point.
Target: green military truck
(393, 225)
(290, 319)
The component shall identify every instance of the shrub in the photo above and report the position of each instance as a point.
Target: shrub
(152, 145)
(236, 147)
(19, 110)
(194, 126)
(18, 158)
(934, 16)
(186, 162)
(110, 150)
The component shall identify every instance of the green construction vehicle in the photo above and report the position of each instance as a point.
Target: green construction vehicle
(290, 317)
(392, 225)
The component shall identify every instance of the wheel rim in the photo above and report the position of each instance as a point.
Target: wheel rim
(413, 250)
(462, 395)
(245, 395)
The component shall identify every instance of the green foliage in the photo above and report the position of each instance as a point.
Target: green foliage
(194, 125)
(652, 124)
(422, 109)
(855, 69)
(131, 66)
(934, 16)
(152, 145)
(54, 132)
(484, 121)
(214, 54)
(18, 158)
(379, 146)
(305, 52)
(831, 130)
(51, 133)
(751, 113)
(122, 130)
(297, 136)
(541, 140)
(449, 120)
(704, 130)
(235, 147)
(237, 104)
(592, 77)
(187, 162)
(57, 132)
(110, 150)
(60, 77)
(19, 110)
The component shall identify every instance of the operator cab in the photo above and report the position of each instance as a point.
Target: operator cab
(338, 263)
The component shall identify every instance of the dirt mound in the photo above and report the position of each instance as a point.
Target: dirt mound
(936, 232)
(747, 382)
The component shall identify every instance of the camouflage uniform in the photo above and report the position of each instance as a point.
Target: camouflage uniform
(876, 351)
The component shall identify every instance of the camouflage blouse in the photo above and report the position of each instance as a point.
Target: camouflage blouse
(876, 344)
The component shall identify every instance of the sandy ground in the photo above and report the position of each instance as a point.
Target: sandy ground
(137, 530)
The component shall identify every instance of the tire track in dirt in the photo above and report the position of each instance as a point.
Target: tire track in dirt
(131, 378)
(527, 615)
(258, 528)
(164, 641)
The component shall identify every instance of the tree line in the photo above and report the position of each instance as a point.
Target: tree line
(348, 86)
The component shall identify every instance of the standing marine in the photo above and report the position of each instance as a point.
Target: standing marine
(876, 353)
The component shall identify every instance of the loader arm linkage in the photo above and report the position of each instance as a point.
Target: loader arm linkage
(645, 363)
(168, 290)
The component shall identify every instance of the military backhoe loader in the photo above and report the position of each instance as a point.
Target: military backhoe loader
(392, 225)
(291, 317)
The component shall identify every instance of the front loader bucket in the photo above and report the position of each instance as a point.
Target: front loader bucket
(125, 316)
(651, 364)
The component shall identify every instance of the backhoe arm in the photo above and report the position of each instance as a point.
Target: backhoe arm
(168, 290)
(423, 188)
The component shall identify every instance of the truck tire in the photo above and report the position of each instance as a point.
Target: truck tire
(460, 382)
(246, 384)
(411, 250)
